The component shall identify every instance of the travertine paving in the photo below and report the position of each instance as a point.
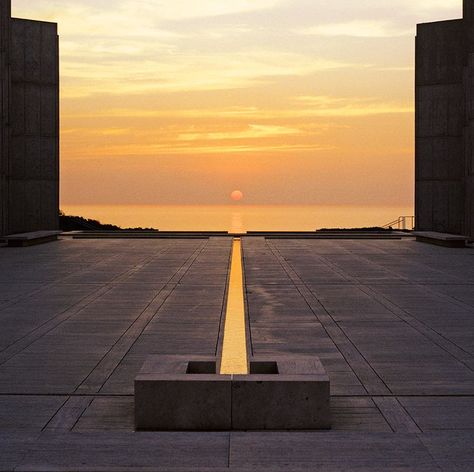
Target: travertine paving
(392, 321)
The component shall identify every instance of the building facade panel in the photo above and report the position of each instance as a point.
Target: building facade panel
(470, 205)
(438, 110)
(469, 88)
(448, 207)
(438, 158)
(440, 53)
(468, 17)
(424, 204)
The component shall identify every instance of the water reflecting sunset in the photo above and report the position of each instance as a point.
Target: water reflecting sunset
(239, 218)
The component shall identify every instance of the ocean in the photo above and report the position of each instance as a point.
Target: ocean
(239, 217)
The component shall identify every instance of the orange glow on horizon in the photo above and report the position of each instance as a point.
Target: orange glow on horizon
(171, 104)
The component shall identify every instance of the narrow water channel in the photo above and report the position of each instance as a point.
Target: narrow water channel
(234, 348)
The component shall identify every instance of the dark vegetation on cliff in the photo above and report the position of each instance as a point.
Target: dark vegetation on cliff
(78, 223)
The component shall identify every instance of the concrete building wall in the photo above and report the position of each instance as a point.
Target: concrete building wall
(468, 16)
(5, 13)
(445, 125)
(469, 129)
(34, 163)
(29, 122)
(469, 146)
(440, 121)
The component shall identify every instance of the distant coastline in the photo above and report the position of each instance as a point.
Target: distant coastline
(238, 218)
(79, 223)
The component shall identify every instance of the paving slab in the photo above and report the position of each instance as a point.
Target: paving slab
(27, 412)
(99, 451)
(441, 413)
(391, 321)
(330, 451)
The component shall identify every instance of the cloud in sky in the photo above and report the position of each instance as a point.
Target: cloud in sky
(359, 29)
(96, 10)
(220, 88)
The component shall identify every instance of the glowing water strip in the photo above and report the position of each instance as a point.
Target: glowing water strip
(234, 348)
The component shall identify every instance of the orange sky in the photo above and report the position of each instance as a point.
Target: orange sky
(290, 101)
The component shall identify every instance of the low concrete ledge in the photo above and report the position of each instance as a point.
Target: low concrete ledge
(441, 239)
(370, 235)
(31, 239)
(125, 234)
(176, 393)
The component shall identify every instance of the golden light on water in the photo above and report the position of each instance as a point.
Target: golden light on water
(238, 218)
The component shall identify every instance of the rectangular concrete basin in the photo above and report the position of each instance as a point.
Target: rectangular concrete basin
(176, 393)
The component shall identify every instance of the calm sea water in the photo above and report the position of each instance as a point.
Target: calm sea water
(240, 218)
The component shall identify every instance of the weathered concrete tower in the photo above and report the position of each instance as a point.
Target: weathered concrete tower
(469, 129)
(29, 121)
(445, 125)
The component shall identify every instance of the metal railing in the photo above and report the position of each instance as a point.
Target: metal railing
(402, 223)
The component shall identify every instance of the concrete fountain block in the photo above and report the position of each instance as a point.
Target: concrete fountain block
(176, 393)
(292, 395)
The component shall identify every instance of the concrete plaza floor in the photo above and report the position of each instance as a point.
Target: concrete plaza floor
(391, 320)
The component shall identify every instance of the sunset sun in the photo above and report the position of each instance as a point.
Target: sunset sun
(236, 195)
